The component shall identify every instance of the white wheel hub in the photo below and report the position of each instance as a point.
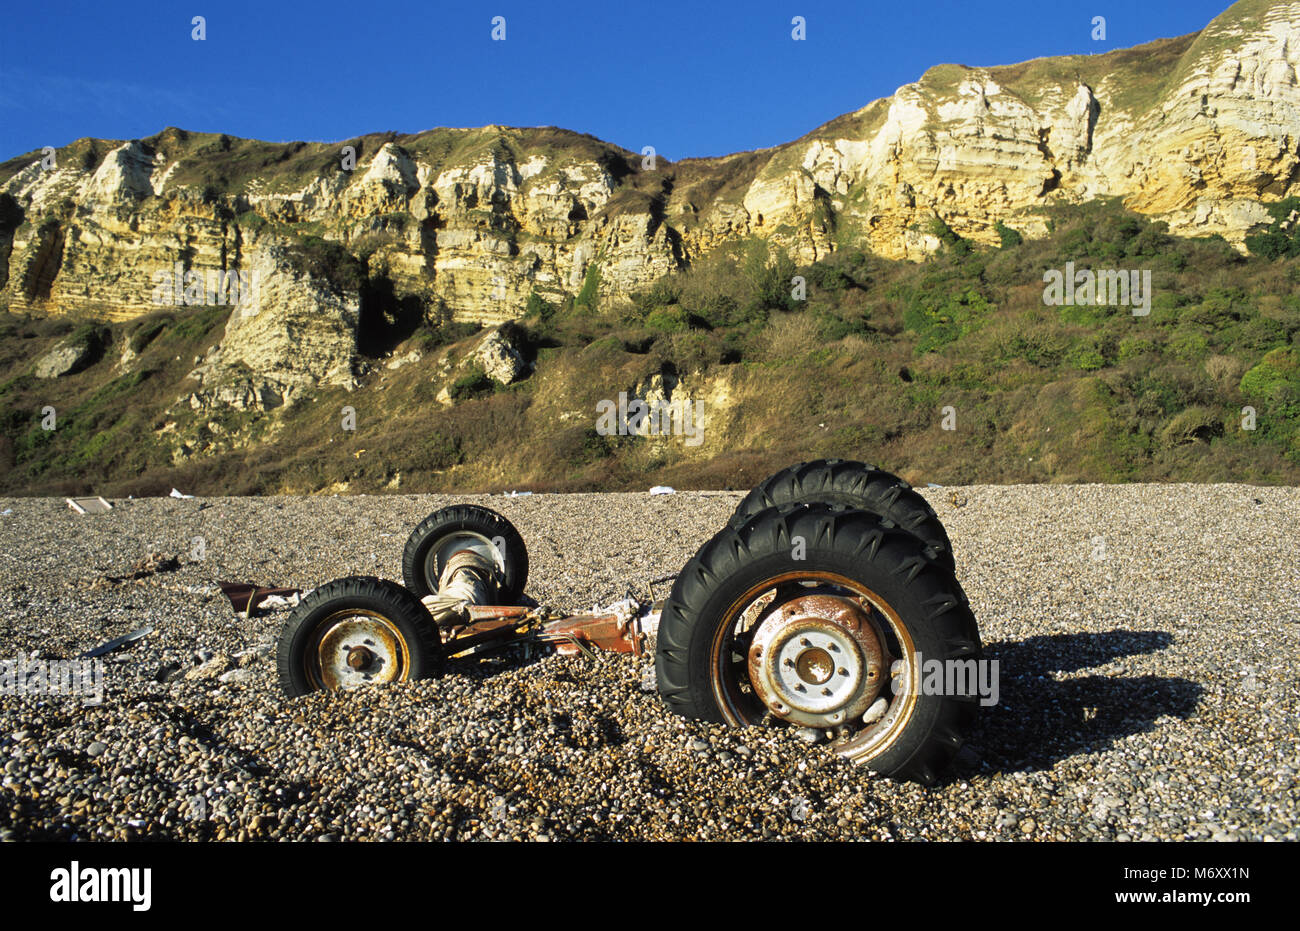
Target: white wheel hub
(816, 660)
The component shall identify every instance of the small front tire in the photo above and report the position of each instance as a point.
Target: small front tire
(353, 632)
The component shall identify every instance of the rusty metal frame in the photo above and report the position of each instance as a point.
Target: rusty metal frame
(610, 632)
(492, 627)
(245, 598)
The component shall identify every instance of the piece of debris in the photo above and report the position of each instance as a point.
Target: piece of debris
(179, 494)
(213, 667)
(625, 608)
(518, 494)
(152, 564)
(280, 601)
(663, 490)
(245, 598)
(956, 499)
(117, 644)
(6, 512)
(91, 505)
(651, 583)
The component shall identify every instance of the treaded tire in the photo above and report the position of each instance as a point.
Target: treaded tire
(388, 599)
(853, 544)
(422, 545)
(850, 484)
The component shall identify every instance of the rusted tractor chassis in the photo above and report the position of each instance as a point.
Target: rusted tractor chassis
(814, 607)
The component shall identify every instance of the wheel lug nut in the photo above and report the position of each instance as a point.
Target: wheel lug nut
(845, 672)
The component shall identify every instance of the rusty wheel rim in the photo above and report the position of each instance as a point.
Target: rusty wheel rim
(355, 647)
(745, 700)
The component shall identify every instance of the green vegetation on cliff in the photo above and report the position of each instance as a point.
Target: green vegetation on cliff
(867, 358)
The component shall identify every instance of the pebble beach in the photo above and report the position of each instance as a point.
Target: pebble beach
(1148, 639)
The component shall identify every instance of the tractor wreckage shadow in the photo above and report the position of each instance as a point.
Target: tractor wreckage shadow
(1039, 720)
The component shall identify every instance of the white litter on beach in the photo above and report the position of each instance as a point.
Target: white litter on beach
(279, 601)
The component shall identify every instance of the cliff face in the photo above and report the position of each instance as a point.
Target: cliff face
(1196, 130)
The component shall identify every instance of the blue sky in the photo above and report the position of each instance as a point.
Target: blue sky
(691, 79)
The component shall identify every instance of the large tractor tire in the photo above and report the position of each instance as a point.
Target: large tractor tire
(852, 485)
(819, 616)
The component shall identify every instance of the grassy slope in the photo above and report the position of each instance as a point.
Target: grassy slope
(863, 367)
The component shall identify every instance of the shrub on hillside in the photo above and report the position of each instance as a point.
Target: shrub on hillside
(1282, 238)
(590, 293)
(473, 384)
(539, 307)
(668, 320)
(327, 262)
(939, 318)
(1191, 424)
(1007, 237)
(1275, 382)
